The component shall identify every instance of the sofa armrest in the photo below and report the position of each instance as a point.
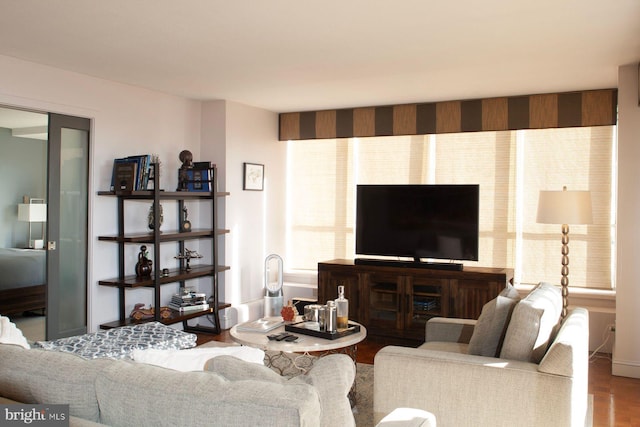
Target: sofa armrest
(332, 376)
(449, 329)
(461, 389)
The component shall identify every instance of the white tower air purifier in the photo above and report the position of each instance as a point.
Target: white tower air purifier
(273, 297)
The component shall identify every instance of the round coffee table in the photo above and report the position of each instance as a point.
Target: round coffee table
(304, 343)
(281, 355)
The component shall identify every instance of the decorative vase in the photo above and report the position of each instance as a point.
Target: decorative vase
(144, 264)
(288, 312)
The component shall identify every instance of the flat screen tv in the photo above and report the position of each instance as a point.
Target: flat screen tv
(418, 221)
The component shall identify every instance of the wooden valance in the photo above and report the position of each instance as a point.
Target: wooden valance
(555, 110)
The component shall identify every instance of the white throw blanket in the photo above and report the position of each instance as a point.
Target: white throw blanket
(195, 359)
(10, 334)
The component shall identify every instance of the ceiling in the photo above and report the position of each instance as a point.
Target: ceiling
(293, 55)
(24, 124)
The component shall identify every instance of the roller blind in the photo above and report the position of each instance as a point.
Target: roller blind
(511, 167)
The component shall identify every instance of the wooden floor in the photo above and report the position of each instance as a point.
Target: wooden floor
(616, 400)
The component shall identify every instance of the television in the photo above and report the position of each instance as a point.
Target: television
(423, 222)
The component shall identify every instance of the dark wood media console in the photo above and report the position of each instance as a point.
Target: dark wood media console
(395, 302)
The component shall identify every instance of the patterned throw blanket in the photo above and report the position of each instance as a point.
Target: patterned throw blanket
(119, 343)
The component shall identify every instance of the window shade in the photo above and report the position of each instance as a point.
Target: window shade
(512, 167)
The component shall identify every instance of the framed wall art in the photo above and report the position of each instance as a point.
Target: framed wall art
(253, 177)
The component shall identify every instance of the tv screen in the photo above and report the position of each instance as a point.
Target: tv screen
(418, 221)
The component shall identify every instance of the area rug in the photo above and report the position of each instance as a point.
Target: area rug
(363, 410)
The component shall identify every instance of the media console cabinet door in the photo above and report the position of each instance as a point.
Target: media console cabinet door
(468, 296)
(426, 297)
(328, 281)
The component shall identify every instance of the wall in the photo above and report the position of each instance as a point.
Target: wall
(22, 167)
(626, 357)
(255, 218)
(126, 120)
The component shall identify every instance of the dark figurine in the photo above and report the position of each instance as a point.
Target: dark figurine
(185, 224)
(143, 266)
(186, 157)
(188, 255)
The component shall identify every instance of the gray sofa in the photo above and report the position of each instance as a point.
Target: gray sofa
(534, 373)
(229, 392)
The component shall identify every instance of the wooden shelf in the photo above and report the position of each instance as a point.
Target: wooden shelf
(171, 236)
(175, 275)
(175, 318)
(163, 195)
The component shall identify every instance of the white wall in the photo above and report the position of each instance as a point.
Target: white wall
(126, 121)
(255, 218)
(626, 357)
(21, 164)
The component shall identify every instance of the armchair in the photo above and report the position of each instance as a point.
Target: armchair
(547, 386)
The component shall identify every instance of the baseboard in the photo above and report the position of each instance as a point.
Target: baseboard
(623, 368)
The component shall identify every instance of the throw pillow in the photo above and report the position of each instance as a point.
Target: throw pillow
(196, 358)
(491, 327)
(510, 292)
(532, 323)
(235, 370)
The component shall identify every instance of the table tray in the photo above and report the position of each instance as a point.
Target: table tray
(301, 329)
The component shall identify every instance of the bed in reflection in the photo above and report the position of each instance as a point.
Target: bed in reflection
(22, 280)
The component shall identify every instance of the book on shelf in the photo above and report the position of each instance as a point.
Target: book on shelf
(188, 308)
(203, 165)
(198, 180)
(138, 166)
(191, 301)
(190, 298)
(265, 324)
(124, 176)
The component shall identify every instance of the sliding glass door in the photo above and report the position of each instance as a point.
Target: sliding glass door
(67, 212)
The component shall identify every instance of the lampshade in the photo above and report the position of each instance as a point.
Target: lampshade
(564, 207)
(32, 212)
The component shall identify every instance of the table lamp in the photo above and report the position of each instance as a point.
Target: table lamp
(33, 212)
(564, 207)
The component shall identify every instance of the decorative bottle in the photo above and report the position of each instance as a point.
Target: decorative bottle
(342, 308)
(144, 264)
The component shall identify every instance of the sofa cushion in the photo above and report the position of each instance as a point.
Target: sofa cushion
(491, 327)
(331, 376)
(448, 346)
(50, 377)
(137, 394)
(532, 323)
(234, 369)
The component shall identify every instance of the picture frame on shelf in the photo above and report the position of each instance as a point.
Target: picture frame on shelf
(253, 177)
